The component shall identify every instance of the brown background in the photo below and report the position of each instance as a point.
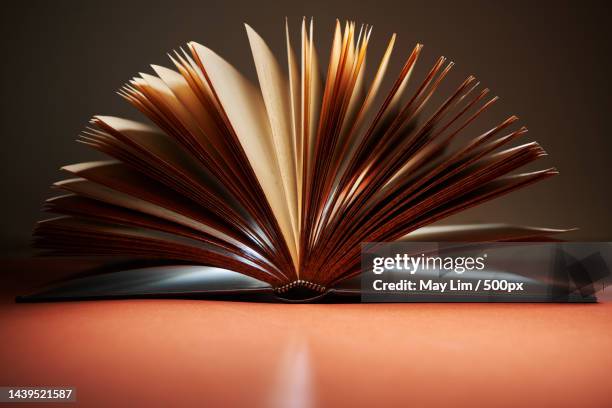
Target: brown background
(549, 62)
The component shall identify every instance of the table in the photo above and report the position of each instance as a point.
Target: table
(214, 353)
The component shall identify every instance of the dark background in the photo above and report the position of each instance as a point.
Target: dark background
(549, 62)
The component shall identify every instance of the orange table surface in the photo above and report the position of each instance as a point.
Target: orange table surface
(212, 353)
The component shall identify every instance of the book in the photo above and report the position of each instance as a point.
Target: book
(239, 188)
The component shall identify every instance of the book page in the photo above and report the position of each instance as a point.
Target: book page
(245, 109)
(311, 95)
(275, 91)
(477, 232)
(298, 143)
(183, 92)
(109, 195)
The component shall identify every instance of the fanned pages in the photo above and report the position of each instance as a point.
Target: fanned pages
(280, 181)
(276, 93)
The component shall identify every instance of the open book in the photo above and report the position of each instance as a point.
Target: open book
(272, 187)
